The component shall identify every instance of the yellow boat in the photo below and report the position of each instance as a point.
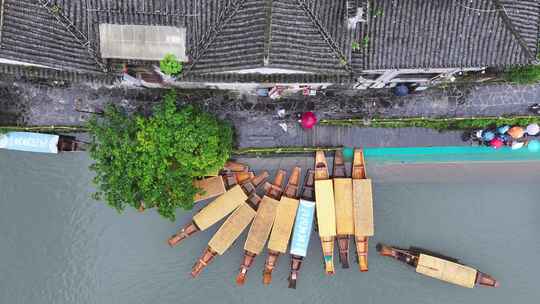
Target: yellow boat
(325, 210)
(231, 229)
(343, 198)
(283, 224)
(362, 208)
(262, 225)
(439, 267)
(218, 209)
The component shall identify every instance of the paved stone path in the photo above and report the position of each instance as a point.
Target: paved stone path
(257, 121)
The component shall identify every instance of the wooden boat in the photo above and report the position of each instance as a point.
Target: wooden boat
(262, 225)
(39, 142)
(438, 266)
(231, 229)
(362, 208)
(283, 224)
(326, 212)
(303, 226)
(218, 209)
(343, 198)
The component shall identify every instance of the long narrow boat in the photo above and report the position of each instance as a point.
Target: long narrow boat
(283, 224)
(439, 267)
(218, 209)
(326, 211)
(39, 142)
(262, 225)
(303, 225)
(343, 197)
(362, 208)
(231, 229)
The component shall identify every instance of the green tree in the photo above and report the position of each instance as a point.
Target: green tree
(529, 74)
(153, 160)
(170, 65)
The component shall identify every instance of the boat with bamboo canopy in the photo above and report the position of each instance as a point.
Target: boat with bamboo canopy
(362, 208)
(438, 266)
(219, 208)
(326, 211)
(303, 225)
(283, 224)
(227, 234)
(343, 198)
(262, 225)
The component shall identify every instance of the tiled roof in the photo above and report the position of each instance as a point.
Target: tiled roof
(308, 35)
(450, 33)
(32, 34)
(289, 34)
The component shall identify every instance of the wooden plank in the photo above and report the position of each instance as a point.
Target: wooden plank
(446, 271)
(325, 207)
(283, 224)
(232, 228)
(343, 198)
(262, 225)
(220, 207)
(212, 187)
(363, 208)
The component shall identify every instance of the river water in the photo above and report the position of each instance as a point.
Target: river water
(60, 246)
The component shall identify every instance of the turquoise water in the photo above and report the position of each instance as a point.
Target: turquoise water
(413, 155)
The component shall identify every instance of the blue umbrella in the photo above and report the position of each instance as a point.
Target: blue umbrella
(533, 145)
(401, 90)
(503, 129)
(488, 135)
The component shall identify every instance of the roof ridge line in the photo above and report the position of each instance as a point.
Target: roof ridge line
(69, 25)
(211, 34)
(328, 39)
(501, 10)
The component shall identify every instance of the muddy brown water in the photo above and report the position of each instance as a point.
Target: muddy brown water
(57, 245)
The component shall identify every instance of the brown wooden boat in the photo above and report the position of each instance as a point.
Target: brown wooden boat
(302, 227)
(262, 225)
(227, 234)
(326, 211)
(283, 224)
(362, 208)
(343, 198)
(438, 266)
(219, 208)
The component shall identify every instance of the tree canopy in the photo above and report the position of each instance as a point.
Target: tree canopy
(170, 65)
(153, 160)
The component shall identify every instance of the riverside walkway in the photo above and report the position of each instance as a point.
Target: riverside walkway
(257, 122)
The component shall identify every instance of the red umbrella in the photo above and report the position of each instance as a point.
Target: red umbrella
(496, 143)
(308, 120)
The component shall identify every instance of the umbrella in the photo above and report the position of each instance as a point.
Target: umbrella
(308, 120)
(488, 135)
(516, 132)
(533, 129)
(496, 143)
(517, 145)
(401, 90)
(503, 129)
(533, 145)
(504, 137)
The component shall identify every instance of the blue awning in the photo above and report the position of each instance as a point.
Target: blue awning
(30, 142)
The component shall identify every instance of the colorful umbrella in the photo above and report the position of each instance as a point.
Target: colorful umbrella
(533, 129)
(488, 135)
(533, 145)
(496, 143)
(517, 145)
(503, 129)
(309, 120)
(516, 132)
